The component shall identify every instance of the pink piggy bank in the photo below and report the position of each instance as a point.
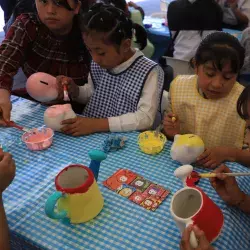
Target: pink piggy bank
(54, 115)
(42, 87)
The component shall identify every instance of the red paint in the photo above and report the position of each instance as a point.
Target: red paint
(207, 211)
(81, 189)
(192, 179)
(203, 218)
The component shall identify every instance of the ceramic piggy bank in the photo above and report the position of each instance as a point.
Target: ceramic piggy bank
(54, 115)
(186, 148)
(42, 87)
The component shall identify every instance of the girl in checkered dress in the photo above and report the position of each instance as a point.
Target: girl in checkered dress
(205, 103)
(124, 87)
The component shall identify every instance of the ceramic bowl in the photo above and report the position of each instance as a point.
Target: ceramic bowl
(151, 143)
(38, 138)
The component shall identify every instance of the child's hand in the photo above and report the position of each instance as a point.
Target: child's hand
(78, 126)
(7, 170)
(200, 236)
(213, 157)
(72, 88)
(227, 186)
(171, 125)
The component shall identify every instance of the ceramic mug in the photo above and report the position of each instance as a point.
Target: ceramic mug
(78, 196)
(191, 205)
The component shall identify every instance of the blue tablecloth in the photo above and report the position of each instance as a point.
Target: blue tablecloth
(159, 35)
(121, 224)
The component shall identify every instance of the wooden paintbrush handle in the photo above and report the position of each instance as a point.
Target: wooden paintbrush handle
(210, 175)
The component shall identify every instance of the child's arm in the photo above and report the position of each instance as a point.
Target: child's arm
(213, 157)
(12, 53)
(85, 91)
(143, 118)
(135, 6)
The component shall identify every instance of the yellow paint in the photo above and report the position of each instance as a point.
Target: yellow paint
(189, 140)
(151, 143)
(82, 207)
(208, 175)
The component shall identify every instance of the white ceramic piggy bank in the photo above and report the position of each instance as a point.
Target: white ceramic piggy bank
(42, 87)
(54, 115)
(186, 148)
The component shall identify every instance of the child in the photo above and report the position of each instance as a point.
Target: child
(47, 41)
(124, 88)
(137, 15)
(236, 13)
(205, 104)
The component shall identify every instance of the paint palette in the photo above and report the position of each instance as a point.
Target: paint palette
(38, 138)
(137, 189)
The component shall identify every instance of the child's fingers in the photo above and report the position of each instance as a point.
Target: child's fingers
(185, 245)
(69, 121)
(200, 235)
(210, 163)
(205, 154)
(68, 129)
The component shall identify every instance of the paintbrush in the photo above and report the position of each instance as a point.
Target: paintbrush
(65, 93)
(211, 175)
(14, 125)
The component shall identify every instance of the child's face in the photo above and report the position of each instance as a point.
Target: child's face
(56, 17)
(107, 56)
(215, 84)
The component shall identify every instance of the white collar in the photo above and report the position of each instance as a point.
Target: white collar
(120, 68)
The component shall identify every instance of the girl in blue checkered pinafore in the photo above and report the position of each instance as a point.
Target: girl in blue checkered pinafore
(124, 87)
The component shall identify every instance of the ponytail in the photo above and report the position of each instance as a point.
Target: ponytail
(140, 35)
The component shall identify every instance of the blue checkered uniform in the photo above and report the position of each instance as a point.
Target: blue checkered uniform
(118, 94)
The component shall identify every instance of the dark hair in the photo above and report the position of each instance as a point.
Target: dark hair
(219, 48)
(28, 6)
(114, 22)
(242, 103)
(120, 4)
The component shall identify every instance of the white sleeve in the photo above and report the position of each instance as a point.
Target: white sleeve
(85, 91)
(147, 107)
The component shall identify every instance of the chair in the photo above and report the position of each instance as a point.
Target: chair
(180, 67)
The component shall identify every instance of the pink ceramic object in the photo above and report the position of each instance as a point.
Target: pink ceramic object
(38, 138)
(54, 115)
(42, 87)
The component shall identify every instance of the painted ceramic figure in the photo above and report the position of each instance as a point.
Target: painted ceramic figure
(54, 115)
(190, 205)
(42, 87)
(186, 148)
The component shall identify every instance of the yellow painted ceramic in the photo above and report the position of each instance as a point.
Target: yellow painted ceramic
(82, 207)
(78, 197)
(151, 143)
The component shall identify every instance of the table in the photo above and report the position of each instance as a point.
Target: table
(159, 34)
(122, 224)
